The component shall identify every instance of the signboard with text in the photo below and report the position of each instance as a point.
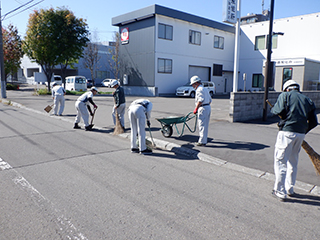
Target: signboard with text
(229, 11)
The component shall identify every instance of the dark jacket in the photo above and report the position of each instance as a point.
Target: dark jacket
(119, 96)
(297, 112)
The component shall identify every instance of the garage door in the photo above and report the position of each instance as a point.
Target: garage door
(202, 72)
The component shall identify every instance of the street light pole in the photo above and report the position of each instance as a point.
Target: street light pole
(268, 66)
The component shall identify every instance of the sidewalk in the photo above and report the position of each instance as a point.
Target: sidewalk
(246, 147)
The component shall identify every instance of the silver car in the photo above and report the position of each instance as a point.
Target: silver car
(188, 91)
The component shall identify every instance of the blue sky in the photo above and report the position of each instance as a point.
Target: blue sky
(99, 13)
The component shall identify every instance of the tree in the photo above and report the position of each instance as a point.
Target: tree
(91, 58)
(114, 62)
(12, 50)
(75, 38)
(55, 37)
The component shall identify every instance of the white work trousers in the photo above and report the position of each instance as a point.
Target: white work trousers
(121, 111)
(82, 111)
(203, 122)
(286, 156)
(137, 119)
(58, 101)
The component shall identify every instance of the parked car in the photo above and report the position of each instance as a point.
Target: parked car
(106, 82)
(188, 91)
(89, 83)
(57, 79)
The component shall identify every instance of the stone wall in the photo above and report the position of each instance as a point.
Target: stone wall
(246, 106)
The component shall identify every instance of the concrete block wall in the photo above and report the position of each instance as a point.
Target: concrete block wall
(245, 106)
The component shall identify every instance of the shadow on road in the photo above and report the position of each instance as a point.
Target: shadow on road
(304, 199)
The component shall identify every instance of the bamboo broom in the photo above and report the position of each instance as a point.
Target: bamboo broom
(118, 128)
(313, 155)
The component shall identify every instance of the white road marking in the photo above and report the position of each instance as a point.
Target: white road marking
(66, 227)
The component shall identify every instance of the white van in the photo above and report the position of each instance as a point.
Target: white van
(76, 83)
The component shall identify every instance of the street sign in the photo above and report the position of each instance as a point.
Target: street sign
(229, 11)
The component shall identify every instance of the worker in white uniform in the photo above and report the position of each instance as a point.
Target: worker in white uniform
(58, 93)
(203, 109)
(139, 113)
(82, 107)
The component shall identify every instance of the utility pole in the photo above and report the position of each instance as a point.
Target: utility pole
(268, 66)
(3, 81)
(236, 49)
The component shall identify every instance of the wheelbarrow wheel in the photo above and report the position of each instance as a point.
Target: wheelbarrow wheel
(166, 131)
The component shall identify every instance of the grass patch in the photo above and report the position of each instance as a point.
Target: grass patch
(45, 91)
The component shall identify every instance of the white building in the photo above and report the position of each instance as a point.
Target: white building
(162, 48)
(295, 51)
(32, 73)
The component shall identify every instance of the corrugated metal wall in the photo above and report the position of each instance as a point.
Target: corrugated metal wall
(137, 57)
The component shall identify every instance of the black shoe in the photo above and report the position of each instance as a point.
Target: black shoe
(89, 127)
(135, 150)
(146, 151)
(76, 126)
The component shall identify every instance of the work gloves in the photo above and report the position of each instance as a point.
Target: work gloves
(195, 110)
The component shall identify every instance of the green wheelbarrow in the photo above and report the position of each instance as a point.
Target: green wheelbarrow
(167, 124)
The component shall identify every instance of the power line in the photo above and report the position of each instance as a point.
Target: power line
(21, 10)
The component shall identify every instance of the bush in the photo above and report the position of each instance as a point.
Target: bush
(12, 86)
(43, 91)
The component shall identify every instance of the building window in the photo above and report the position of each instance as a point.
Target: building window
(287, 74)
(275, 41)
(217, 70)
(260, 43)
(194, 37)
(103, 74)
(165, 31)
(164, 65)
(218, 42)
(257, 80)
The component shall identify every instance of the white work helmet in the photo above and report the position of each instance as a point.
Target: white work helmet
(290, 83)
(54, 84)
(113, 83)
(94, 88)
(194, 79)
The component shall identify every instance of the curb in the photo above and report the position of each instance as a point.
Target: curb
(176, 148)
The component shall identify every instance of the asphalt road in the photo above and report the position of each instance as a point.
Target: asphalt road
(248, 144)
(60, 183)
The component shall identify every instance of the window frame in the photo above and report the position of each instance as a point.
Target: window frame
(266, 40)
(217, 70)
(166, 35)
(256, 46)
(165, 70)
(287, 79)
(193, 37)
(219, 43)
(258, 75)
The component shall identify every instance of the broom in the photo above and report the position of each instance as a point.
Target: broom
(313, 155)
(153, 144)
(118, 128)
